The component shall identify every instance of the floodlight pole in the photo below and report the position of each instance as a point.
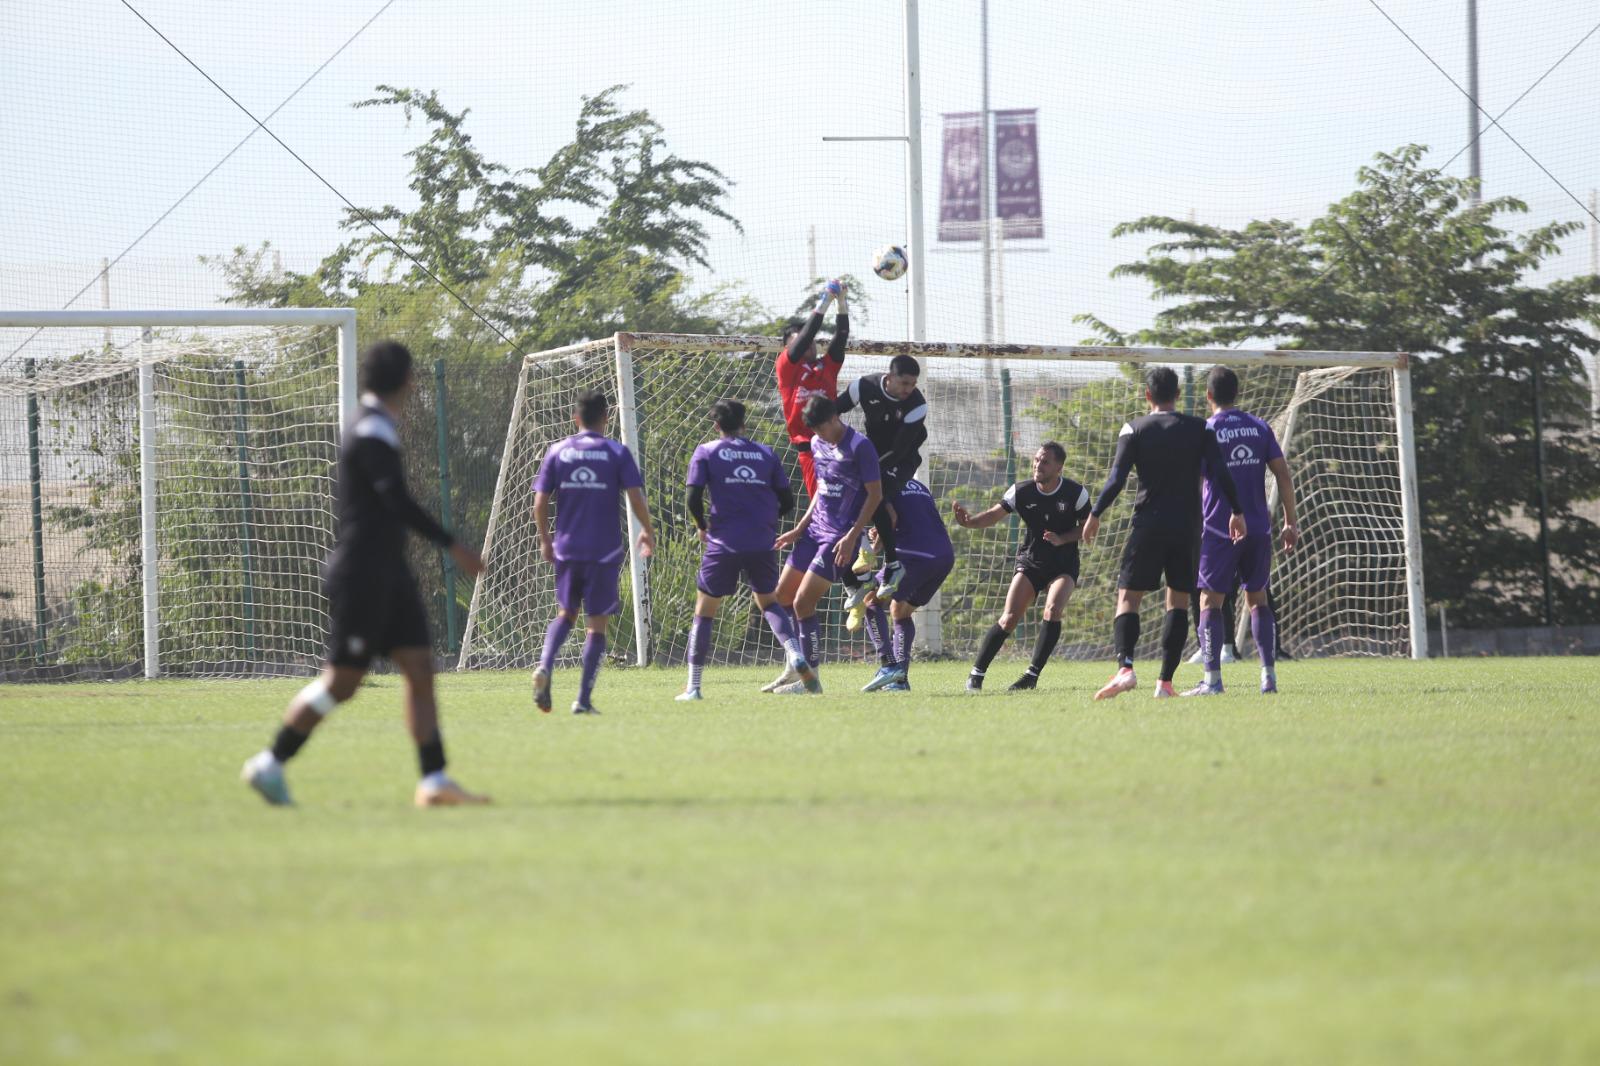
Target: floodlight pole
(985, 179)
(1474, 130)
(915, 251)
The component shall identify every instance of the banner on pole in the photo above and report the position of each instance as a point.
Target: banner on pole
(961, 183)
(1016, 159)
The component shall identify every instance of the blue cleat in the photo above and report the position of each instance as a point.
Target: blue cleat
(901, 685)
(886, 675)
(1205, 689)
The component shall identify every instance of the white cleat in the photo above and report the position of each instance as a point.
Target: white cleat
(265, 774)
(1197, 659)
(689, 696)
(789, 676)
(1227, 654)
(801, 688)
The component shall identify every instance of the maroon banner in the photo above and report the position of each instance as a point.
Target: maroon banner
(1016, 168)
(961, 186)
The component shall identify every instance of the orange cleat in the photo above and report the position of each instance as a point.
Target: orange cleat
(447, 793)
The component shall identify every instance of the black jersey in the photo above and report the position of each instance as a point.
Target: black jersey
(1166, 449)
(374, 508)
(1062, 510)
(896, 428)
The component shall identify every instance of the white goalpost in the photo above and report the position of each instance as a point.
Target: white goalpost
(1354, 587)
(176, 496)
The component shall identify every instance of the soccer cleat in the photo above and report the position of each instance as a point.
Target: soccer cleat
(265, 774)
(974, 682)
(856, 618)
(790, 675)
(689, 696)
(800, 688)
(1229, 655)
(1122, 681)
(579, 707)
(892, 576)
(541, 689)
(446, 793)
(1024, 683)
(898, 686)
(1164, 690)
(1269, 682)
(856, 597)
(1197, 659)
(866, 562)
(813, 685)
(885, 676)
(1205, 688)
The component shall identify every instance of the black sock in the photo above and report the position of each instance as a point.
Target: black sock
(1174, 635)
(430, 755)
(287, 743)
(1049, 633)
(885, 527)
(1125, 630)
(993, 641)
(847, 576)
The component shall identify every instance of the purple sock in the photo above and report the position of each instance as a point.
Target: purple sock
(811, 640)
(878, 630)
(554, 637)
(781, 622)
(594, 651)
(905, 631)
(1211, 634)
(699, 648)
(1264, 628)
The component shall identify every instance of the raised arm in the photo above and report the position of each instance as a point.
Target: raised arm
(808, 334)
(841, 329)
(982, 520)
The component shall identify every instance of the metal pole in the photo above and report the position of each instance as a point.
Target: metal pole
(983, 169)
(628, 415)
(1594, 268)
(246, 506)
(105, 298)
(41, 618)
(1538, 477)
(349, 387)
(1444, 634)
(1410, 513)
(148, 554)
(441, 413)
(1006, 430)
(916, 252)
(999, 281)
(1474, 160)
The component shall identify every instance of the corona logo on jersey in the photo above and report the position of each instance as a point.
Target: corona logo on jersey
(581, 477)
(578, 455)
(733, 455)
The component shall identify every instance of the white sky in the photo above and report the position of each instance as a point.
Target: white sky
(1230, 109)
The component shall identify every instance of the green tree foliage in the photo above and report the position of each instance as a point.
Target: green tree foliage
(1407, 262)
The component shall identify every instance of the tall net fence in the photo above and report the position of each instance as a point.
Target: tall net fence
(246, 428)
(1342, 592)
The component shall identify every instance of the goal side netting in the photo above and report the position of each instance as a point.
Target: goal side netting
(194, 551)
(1344, 591)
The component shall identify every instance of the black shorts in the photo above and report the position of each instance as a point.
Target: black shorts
(1044, 572)
(373, 611)
(1152, 553)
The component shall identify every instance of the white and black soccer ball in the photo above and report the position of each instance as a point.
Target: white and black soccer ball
(890, 262)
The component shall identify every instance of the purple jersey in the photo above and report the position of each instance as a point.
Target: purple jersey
(1247, 445)
(919, 530)
(744, 480)
(843, 471)
(587, 474)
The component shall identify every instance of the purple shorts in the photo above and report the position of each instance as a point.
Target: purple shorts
(588, 588)
(922, 578)
(1222, 562)
(807, 554)
(720, 569)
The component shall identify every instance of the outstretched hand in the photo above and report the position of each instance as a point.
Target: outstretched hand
(963, 516)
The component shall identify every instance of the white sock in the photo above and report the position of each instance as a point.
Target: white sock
(1213, 677)
(437, 779)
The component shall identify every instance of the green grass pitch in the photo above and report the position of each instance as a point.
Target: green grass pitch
(1388, 862)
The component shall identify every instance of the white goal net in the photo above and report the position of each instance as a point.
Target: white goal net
(1352, 587)
(166, 497)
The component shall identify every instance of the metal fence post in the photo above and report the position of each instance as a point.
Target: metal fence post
(36, 516)
(246, 508)
(442, 419)
(1006, 430)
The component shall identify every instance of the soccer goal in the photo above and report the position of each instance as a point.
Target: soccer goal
(166, 497)
(1353, 587)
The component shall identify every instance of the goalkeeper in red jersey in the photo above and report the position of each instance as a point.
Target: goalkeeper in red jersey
(802, 374)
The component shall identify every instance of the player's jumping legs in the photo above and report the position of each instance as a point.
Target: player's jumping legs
(1019, 597)
(422, 719)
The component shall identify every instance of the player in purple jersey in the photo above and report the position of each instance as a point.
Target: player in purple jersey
(926, 559)
(749, 493)
(849, 489)
(587, 474)
(1248, 450)
(1052, 509)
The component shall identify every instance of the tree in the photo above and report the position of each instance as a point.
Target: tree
(1407, 262)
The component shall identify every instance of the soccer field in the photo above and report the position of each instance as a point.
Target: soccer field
(1388, 862)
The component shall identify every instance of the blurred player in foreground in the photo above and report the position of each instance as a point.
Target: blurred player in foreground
(587, 474)
(374, 607)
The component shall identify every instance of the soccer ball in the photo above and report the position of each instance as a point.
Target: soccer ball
(889, 262)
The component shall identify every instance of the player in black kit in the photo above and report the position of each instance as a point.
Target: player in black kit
(1166, 448)
(896, 418)
(1052, 509)
(374, 607)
